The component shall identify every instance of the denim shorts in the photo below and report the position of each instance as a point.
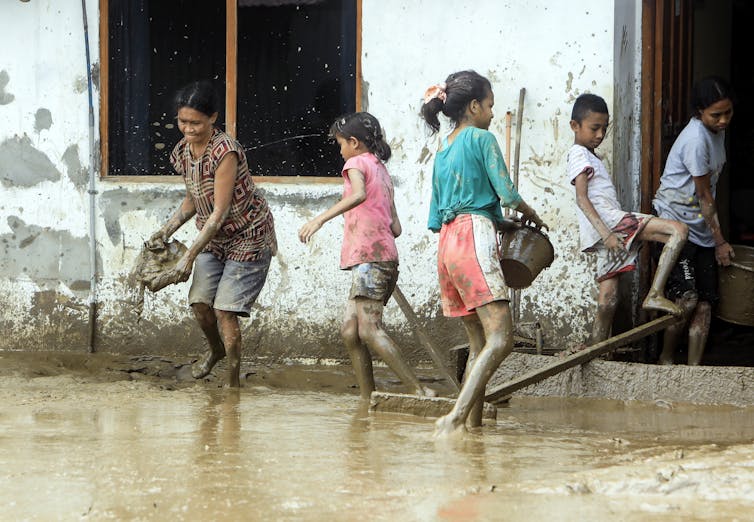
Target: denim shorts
(374, 280)
(231, 286)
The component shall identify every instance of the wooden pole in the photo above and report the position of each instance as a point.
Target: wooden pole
(231, 66)
(499, 393)
(516, 294)
(426, 342)
(507, 149)
(519, 124)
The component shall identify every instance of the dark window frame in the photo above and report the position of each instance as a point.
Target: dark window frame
(231, 93)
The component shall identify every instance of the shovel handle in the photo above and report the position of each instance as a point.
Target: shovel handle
(423, 337)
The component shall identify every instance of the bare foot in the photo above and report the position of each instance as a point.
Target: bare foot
(665, 362)
(204, 365)
(661, 304)
(446, 427)
(425, 391)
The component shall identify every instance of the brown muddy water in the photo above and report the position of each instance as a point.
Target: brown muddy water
(115, 438)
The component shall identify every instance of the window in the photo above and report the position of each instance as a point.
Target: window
(284, 70)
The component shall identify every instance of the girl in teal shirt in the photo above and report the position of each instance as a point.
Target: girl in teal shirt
(470, 182)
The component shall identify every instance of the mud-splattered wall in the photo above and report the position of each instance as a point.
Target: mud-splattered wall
(555, 50)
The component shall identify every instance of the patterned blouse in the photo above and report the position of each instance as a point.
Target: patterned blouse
(249, 230)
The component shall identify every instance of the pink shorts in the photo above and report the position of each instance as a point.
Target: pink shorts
(468, 265)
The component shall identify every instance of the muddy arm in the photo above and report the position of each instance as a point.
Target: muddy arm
(723, 250)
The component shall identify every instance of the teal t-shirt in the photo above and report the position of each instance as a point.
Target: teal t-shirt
(470, 177)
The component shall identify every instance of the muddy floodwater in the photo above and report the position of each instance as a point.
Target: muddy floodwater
(115, 438)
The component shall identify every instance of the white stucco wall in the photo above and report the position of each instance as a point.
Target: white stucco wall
(556, 50)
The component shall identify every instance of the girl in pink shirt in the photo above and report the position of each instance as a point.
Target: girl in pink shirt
(369, 252)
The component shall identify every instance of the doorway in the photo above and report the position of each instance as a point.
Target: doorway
(684, 41)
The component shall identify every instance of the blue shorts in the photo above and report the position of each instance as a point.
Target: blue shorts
(230, 286)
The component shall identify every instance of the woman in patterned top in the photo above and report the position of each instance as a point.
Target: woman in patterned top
(231, 255)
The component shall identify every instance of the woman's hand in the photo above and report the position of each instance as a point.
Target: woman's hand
(157, 240)
(185, 211)
(724, 253)
(183, 268)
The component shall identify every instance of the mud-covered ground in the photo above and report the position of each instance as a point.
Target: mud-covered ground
(100, 437)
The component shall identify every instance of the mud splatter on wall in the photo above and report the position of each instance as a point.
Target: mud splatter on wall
(42, 120)
(77, 173)
(5, 96)
(47, 257)
(44, 145)
(22, 165)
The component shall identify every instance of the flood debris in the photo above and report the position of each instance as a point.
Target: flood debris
(153, 269)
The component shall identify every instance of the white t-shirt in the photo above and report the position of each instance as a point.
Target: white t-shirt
(600, 190)
(697, 151)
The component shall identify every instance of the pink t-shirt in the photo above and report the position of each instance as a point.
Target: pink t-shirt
(367, 237)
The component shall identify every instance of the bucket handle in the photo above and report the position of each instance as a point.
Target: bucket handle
(742, 267)
(516, 223)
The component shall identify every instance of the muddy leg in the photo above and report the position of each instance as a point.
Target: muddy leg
(673, 234)
(231, 335)
(361, 359)
(698, 332)
(475, 332)
(673, 333)
(369, 316)
(606, 304)
(205, 316)
(498, 330)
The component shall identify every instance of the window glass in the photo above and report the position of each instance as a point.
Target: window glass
(155, 48)
(296, 74)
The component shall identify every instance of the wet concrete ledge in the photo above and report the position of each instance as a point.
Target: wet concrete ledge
(732, 385)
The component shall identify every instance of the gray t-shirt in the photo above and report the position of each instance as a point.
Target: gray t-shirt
(697, 151)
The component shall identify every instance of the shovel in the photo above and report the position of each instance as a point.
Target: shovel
(426, 342)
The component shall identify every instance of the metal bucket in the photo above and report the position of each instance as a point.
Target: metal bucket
(737, 288)
(524, 253)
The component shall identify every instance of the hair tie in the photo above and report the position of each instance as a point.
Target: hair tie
(436, 91)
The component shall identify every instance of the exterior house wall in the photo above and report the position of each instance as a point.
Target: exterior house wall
(626, 126)
(556, 50)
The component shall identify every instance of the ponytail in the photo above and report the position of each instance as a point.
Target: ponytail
(453, 97)
(365, 128)
(429, 112)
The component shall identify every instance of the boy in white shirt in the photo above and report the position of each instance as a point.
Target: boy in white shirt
(606, 229)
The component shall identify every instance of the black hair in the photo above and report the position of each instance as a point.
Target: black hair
(365, 128)
(587, 103)
(198, 95)
(708, 91)
(461, 88)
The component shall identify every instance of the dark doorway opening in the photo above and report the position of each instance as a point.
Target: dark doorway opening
(684, 41)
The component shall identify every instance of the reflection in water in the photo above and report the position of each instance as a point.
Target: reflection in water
(220, 426)
(131, 450)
